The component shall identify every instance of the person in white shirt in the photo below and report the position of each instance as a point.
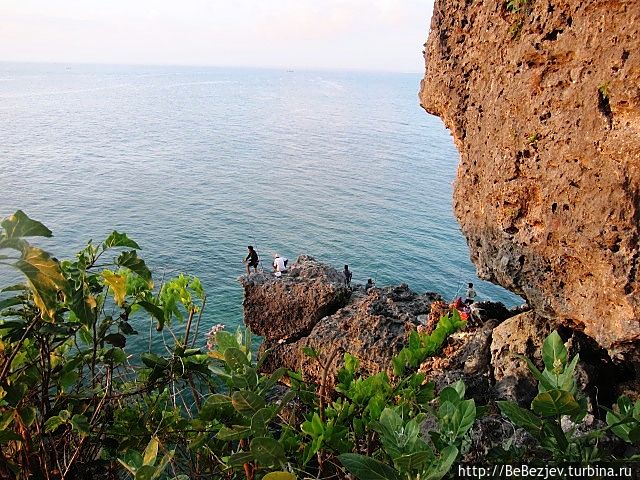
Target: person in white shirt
(279, 264)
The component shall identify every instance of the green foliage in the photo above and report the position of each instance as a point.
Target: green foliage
(624, 420)
(422, 345)
(558, 396)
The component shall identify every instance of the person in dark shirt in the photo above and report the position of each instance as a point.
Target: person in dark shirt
(347, 276)
(251, 260)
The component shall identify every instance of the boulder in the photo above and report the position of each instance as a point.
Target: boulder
(289, 306)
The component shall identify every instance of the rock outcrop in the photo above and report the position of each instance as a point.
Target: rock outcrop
(543, 100)
(289, 306)
(373, 327)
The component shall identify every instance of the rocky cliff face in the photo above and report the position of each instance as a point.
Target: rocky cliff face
(543, 100)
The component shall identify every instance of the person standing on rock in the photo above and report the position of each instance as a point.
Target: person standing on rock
(471, 295)
(251, 260)
(347, 276)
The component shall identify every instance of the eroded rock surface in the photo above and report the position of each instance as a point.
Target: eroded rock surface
(290, 305)
(373, 327)
(544, 107)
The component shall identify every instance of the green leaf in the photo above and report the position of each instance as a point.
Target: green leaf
(237, 432)
(555, 403)
(236, 359)
(412, 462)
(80, 423)
(521, 417)
(226, 340)
(310, 352)
(45, 279)
(367, 468)
(116, 239)
(279, 476)
(145, 472)
(84, 306)
(267, 451)
(9, 436)
(131, 261)
(152, 360)
(240, 458)
(117, 283)
(442, 467)
(554, 353)
(53, 423)
(247, 403)
(156, 312)
(213, 405)
(150, 452)
(260, 421)
(27, 415)
(20, 225)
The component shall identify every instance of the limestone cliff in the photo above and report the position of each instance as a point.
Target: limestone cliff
(543, 100)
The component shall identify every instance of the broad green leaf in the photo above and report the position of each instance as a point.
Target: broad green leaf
(45, 279)
(80, 423)
(226, 340)
(212, 406)
(260, 421)
(520, 416)
(367, 468)
(240, 458)
(152, 360)
(27, 415)
(156, 312)
(20, 225)
(116, 239)
(267, 451)
(555, 403)
(412, 462)
(145, 472)
(310, 352)
(84, 306)
(554, 353)
(442, 467)
(9, 436)
(279, 476)
(247, 403)
(134, 263)
(150, 452)
(53, 423)
(117, 283)
(449, 394)
(237, 432)
(19, 287)
(236, 359)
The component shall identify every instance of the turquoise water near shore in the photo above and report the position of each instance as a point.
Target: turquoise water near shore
(196, 163)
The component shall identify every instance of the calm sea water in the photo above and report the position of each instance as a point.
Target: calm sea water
(197, 163)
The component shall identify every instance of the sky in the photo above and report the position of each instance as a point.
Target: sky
(383, 35)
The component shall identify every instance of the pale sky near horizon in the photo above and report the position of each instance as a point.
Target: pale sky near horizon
(385, 35)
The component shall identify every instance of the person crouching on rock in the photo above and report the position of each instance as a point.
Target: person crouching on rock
(279, 264)
(251, 260)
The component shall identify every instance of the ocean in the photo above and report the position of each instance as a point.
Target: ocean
(196, 163)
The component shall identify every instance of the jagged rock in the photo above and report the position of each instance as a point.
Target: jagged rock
(544, 107)
(523, 334)
(466, 356)
(289, 306)
(373, 327)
